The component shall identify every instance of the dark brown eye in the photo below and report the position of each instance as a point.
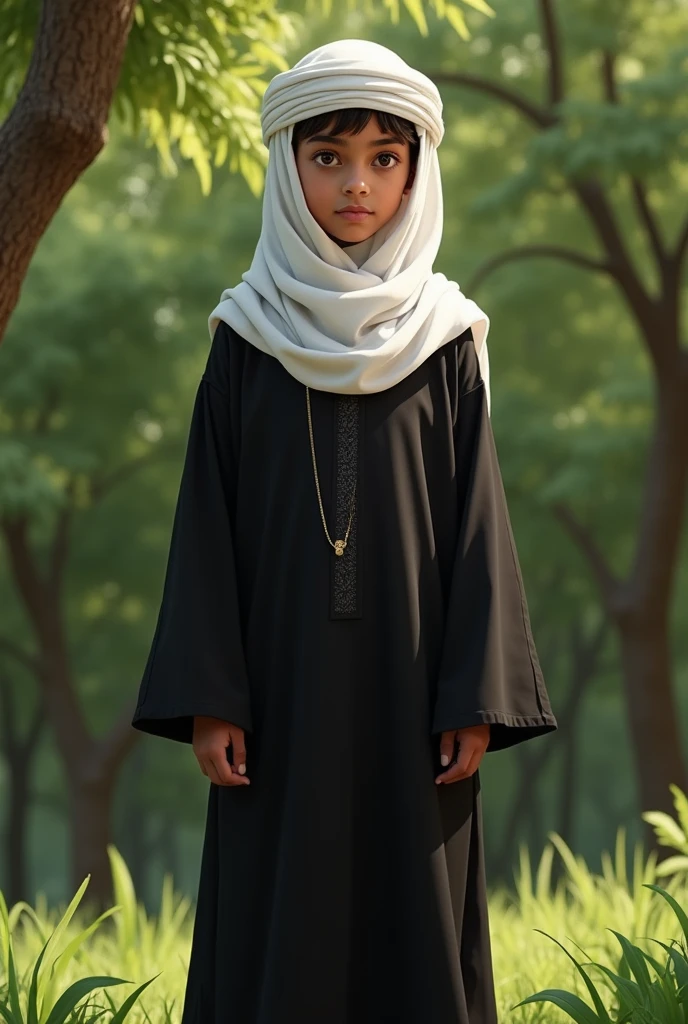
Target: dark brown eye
(394, 157)
(324, 152)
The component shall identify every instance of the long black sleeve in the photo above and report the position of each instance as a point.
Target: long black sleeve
(489, 670)
(196, 663)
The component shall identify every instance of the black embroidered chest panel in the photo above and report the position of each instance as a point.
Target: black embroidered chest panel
(345, 574)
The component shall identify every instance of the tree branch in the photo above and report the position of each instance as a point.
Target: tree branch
(528, 251)
(539, 115)
(607, 582)
(649, 221)
(603, 219)
(590, 194)
(555, 72)
(611, 95)
(59, 549)
(24, 658)
(110, 749)
(101, 487)
(681, 244)
(608, 75)
(25, 571)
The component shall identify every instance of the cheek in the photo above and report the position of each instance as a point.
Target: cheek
(315, 186)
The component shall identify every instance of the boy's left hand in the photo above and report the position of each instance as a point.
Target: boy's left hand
(473, 741)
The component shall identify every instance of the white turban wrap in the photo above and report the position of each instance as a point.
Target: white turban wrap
(357, 319)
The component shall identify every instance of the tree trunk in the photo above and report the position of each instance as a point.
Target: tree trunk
(57, 127)
(169, 834)
(91, 763)
(652, 719)
(640, 605)
(17, 887)
(19, 753)
(90, 806)
(586, 652)
(133, 827)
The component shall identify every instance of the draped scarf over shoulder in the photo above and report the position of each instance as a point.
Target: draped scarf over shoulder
(358, 319)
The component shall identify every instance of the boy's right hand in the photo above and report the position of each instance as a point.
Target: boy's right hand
(211, 737)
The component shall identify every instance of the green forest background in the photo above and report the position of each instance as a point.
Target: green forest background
(112, 329)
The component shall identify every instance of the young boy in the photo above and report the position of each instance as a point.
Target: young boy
(343, 606)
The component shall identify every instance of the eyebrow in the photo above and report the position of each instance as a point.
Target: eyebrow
(338, 140)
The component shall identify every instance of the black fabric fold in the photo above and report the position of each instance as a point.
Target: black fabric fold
(196, 664)
(490, 672)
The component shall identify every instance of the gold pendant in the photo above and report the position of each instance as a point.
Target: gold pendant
(339, 546)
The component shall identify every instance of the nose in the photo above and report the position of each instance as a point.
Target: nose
(357, 187)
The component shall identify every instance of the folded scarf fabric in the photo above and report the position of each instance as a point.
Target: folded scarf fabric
(358, 319)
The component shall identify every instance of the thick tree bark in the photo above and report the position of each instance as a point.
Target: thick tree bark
(57, 127)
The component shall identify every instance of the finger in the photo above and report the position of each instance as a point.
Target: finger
(224, 770)
(460, 770)
(214, 773)
(210, 771)
(447, 746)
(238, 750)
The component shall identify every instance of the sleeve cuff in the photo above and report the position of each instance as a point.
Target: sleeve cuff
(505, 729)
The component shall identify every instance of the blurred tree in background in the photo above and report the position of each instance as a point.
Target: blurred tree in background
(604, 94)
(101, 363)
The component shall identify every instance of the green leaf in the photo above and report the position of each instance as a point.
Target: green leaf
(596, 998)
(570, 1003)
(126, 1006)
(480, 5)
(72, 995)
(679, 961)
(672, 865)
(667, 829)
(635, 959)
(678, 910)
(13, 1007)
(415, 9)
(179, 77)
(681, 805)
(457, 20)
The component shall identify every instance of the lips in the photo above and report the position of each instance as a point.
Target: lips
(354, 215)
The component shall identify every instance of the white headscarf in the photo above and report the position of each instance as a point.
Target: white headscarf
(357, 319)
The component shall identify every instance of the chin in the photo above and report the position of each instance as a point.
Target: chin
(359, 234)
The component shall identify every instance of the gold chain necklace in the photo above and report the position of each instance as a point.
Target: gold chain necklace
(338, 545)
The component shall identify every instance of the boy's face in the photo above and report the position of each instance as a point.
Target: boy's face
(353, 170)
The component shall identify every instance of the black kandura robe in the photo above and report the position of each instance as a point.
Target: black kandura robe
(343, 886)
